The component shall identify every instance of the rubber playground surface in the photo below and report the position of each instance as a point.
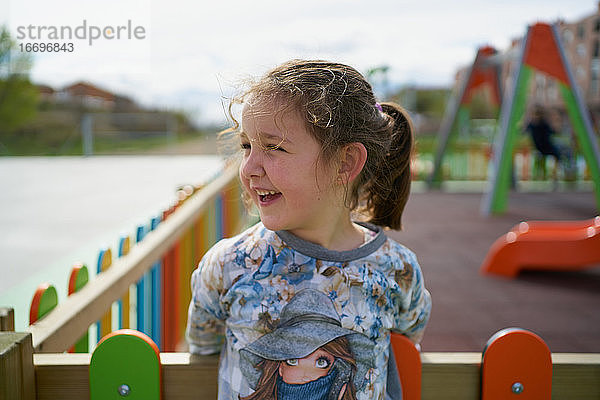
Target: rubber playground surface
(451, 239)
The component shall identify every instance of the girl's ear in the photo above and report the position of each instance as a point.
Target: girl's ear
(352, 161)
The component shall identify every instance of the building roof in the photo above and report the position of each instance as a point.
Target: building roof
(45, 89)
(81, 89)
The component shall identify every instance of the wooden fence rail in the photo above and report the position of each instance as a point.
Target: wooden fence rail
(444, 376)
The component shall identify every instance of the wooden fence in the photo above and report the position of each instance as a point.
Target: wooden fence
(150, 280)
(511, 367)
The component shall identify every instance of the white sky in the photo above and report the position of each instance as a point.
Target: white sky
(196, 51)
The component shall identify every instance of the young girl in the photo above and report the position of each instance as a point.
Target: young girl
(328, 168)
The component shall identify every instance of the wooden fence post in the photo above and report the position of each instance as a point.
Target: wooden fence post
(7, 319)
(17, 376)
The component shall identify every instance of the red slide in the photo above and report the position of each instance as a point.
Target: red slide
(545, 245)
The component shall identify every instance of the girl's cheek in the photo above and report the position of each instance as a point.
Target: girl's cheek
(287, 374)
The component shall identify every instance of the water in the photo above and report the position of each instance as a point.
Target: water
(55, 211)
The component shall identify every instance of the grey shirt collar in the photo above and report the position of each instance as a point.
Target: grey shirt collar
(322, 253)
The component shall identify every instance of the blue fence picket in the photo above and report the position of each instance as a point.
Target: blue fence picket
(156, 301)
(143, 293)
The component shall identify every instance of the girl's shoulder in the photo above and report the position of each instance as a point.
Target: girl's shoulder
(253, 237)
(399, 249)
(392, 255)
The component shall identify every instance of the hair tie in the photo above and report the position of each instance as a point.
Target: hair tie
(378, 106)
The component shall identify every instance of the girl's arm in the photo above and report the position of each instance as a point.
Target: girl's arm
(414, 314)
(205, 325)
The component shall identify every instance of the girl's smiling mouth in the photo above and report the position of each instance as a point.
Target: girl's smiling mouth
(267, 197)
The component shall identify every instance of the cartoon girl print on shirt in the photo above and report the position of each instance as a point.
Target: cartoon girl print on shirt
(308, 355)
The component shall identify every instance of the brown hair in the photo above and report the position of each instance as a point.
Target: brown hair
(339, 108)
(267, 384)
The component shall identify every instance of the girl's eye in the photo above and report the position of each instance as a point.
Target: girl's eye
(245, 146)
(322, 363)
(293, 362)
(271, 147)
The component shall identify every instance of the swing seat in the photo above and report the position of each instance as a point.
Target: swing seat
(545, 245)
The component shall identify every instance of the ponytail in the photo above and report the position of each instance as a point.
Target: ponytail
(389, 185)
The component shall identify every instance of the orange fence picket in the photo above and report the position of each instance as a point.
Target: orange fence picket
(516, 364)
(408, 364)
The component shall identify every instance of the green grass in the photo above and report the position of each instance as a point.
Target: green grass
(140, 145)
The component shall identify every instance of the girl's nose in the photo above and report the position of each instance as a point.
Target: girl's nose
(252, 164)
(308, 376)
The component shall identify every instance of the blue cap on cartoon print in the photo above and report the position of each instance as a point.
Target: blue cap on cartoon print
(306, 323)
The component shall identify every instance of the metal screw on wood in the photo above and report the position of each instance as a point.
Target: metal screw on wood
(124, 390)
(517, 388)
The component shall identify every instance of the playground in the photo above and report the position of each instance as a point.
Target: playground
(542, 275)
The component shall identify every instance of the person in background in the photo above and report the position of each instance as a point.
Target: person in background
(541, 133)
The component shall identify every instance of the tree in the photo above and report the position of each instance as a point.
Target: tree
(430, 102)
(482, 107)
(18, 96)
(378, 78)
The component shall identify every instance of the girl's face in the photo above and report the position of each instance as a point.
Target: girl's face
(278, 171)
(307, 369)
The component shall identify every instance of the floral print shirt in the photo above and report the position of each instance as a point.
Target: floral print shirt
(242, 284)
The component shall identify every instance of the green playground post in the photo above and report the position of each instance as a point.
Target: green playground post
(580, 119)
(588, 147)
(449, 121)
(463, 118)
(504, 146)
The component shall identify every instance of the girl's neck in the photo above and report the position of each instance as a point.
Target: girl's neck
(342, 235)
